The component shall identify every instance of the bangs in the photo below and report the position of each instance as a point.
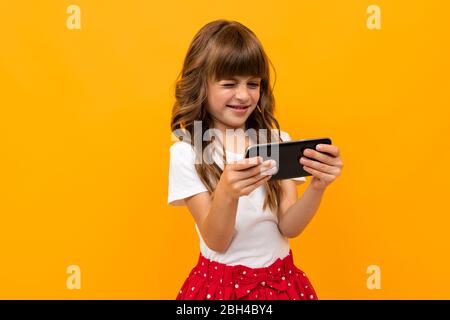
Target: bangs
(240, 54)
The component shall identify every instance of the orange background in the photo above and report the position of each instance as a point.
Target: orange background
(85, 136)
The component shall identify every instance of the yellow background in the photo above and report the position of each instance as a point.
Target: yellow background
(85, 136)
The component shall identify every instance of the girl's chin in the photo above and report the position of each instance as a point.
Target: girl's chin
(235, 123)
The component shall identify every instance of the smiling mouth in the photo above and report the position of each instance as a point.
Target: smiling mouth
(238, 107)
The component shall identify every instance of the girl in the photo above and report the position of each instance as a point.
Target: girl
(243, 219)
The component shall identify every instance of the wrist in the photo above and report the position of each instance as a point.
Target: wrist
(317, 189)
(224, 194)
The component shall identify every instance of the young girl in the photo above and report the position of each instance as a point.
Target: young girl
(243, 219)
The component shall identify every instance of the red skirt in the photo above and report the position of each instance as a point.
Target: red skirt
(282, 280)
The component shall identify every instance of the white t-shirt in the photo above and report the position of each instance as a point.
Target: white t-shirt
(257, 241)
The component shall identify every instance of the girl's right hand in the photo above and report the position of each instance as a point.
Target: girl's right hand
(241, 177)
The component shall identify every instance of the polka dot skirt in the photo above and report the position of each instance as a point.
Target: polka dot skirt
(282, 280)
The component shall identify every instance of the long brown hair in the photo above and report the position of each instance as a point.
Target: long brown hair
(220, 50)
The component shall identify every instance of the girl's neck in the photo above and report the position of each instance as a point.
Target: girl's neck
(234, 139)
(224, 128)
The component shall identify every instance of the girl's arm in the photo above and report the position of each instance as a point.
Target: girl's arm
(295, 214)
(216, 218)
(325, 167)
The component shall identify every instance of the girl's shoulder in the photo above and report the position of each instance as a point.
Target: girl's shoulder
(181, 146)
(181, 151)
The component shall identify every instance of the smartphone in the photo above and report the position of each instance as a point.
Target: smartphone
(287, 155)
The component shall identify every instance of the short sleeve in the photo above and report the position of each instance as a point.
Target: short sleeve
(285, 137)
(183, 178)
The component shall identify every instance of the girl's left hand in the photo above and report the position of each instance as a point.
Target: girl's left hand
(326, 169)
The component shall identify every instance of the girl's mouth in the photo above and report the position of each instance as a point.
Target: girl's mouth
(237, 107)
(239, 110)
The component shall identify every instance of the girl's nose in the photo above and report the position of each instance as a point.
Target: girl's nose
(242, 92)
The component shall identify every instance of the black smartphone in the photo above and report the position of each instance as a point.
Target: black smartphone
(287, 155)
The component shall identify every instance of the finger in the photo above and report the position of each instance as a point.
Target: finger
(321, 175)
(271, 171)
(252, 180)
(320, 156)
(328, 148)
(319, 166)
(246, 163)
(252, 187)
(263, 167)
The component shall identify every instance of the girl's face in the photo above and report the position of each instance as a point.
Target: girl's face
(231, 101)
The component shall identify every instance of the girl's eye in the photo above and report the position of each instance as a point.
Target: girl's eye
(232, 84)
